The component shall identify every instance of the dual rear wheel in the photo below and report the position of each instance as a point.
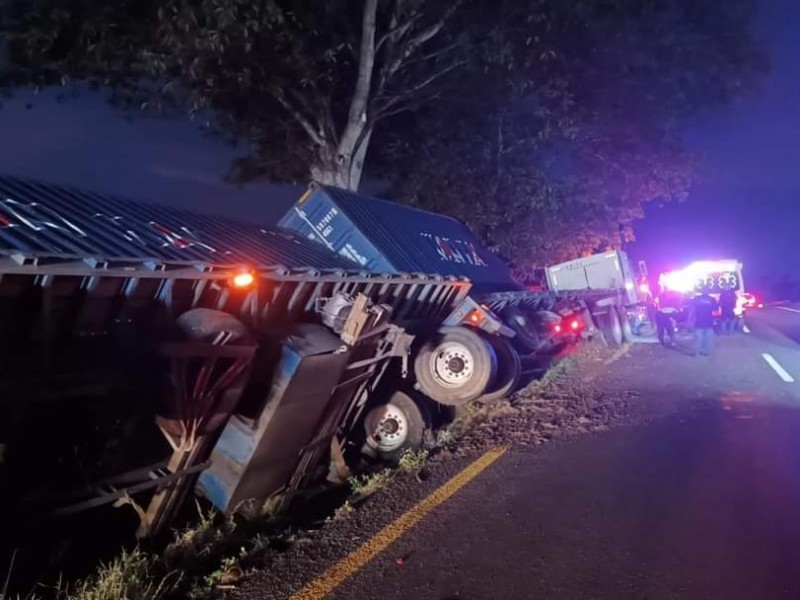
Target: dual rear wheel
(459, 365)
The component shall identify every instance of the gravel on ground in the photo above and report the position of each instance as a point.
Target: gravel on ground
(587, 391)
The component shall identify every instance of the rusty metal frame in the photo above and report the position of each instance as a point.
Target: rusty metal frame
(377, 343)
(155, 479)
(190, 431)
(95, 293)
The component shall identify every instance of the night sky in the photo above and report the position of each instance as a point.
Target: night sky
(744, 204)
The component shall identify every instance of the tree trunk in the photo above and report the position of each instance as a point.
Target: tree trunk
(328, 175)
(357, 166)
(343, 171)
(344, 168)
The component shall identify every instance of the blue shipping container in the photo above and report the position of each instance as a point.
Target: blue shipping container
(38, 220)
(385, 236)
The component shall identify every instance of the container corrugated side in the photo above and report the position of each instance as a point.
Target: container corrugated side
(41, 219)
(317, 217)
(381, 234)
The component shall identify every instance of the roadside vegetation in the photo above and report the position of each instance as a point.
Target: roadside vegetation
(209, 557)
(513, 105)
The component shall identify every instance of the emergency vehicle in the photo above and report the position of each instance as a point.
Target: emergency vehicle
(713, 276)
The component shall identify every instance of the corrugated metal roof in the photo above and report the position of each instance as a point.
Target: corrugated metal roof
(384, 235)
(39, 219)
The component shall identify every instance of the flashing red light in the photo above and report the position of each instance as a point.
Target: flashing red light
(558, 328)
(575, 324)
(243, 280)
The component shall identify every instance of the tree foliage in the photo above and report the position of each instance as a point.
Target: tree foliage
(545, 125)
(581, 126)
(303, 82)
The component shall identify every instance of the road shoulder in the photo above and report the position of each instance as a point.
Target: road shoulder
(590, 392)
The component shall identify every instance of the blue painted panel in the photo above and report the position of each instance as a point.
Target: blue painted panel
(316, 217)
(237, 443)
(386, 236)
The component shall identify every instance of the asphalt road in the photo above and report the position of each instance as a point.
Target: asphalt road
(701, 504)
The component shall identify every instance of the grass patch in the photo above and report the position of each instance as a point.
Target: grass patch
(211, 555)
(413, 462)
(132, 575)
(366, 485)
(344, 511)
(228, 574)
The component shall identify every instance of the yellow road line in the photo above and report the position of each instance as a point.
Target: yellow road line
(333, 577)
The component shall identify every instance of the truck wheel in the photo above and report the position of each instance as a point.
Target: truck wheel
(627, 332)
(526, 338)
(509, 369)
(207, 325)
(395, 427)
(455, 367)
(610, 327)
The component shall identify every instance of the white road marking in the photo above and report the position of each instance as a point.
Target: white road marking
(745, 328)
(787, 308)
(776, 366)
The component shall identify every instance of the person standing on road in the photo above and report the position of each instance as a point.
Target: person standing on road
(727, 308)
(666, 313)
(703, 307)
(665, 322)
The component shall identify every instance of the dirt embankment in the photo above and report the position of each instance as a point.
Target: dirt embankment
(586, 392)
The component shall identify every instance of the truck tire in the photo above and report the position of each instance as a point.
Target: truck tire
(627, 332)
(206, 325)
(395, 427)
(526, 338)
(509, 370)
(455, 366)
(610, 326)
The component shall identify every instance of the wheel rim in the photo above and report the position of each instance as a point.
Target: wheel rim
(391, 431)
(452, 364)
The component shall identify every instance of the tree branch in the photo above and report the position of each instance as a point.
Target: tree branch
(411, 104)
(298, 116)
(500, 151)
(395, 29)
(366, 63)
(323, 117)
(384, 111)
(398, 55)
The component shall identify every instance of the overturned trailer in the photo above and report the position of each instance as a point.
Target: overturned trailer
(147, 352)
(476, 354)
